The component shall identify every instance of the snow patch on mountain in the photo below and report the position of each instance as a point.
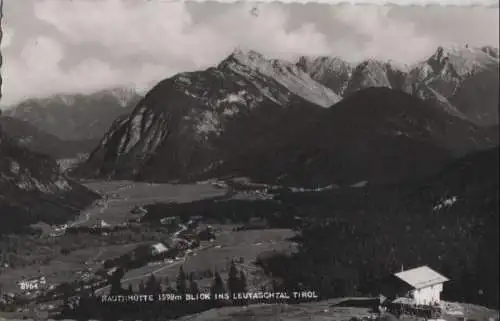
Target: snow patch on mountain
(445, 202)
(359, 184)
(234, 97)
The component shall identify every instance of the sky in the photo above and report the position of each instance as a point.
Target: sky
(65, 46)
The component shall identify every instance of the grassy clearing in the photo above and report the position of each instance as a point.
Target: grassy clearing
(228, 245)
(165, 192)
(122, 197)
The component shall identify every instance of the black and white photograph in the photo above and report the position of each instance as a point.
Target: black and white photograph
(211, 161)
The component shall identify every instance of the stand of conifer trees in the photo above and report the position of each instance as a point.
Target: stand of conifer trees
(90, 306)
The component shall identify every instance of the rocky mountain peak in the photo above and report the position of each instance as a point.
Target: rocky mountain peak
(329, 62)
(332, 72)
(460, 61)
(250, 64)
(247, 57)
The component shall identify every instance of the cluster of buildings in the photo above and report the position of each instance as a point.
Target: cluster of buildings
(183, 241)
(188, 237)
(59, 230)
(101, 224)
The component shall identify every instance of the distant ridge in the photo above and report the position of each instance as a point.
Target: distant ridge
(76, 116)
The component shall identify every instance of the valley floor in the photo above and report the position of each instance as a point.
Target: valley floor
(119, 198)
(87, 253)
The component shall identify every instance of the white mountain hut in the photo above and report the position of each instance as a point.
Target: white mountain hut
(420, 286)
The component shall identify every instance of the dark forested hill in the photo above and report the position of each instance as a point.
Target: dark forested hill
(358, 236)
(377, 135)
(33, 189)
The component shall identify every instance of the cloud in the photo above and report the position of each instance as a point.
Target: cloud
(165, 30)
(159, 36)
(141, 42)
(36, 72)
(267, 33)
(386, 38)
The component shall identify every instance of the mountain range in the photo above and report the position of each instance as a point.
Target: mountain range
(461, 80)
(75, 117)
(319, 118)
(317, 122)
(376, 135)
(34, 139)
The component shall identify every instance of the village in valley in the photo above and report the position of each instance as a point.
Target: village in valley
(136, 247)
(185, 241)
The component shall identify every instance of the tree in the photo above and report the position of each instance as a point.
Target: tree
(166, 284)
(66, 291)
(66, 309)
(193, 286)
(116, 277)
(243, 282)
(275, 286)
(232, 280)
(142, 287)
(241, 286)
(152, 285)
(81, 285)
(181, 283)
(218, 286)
